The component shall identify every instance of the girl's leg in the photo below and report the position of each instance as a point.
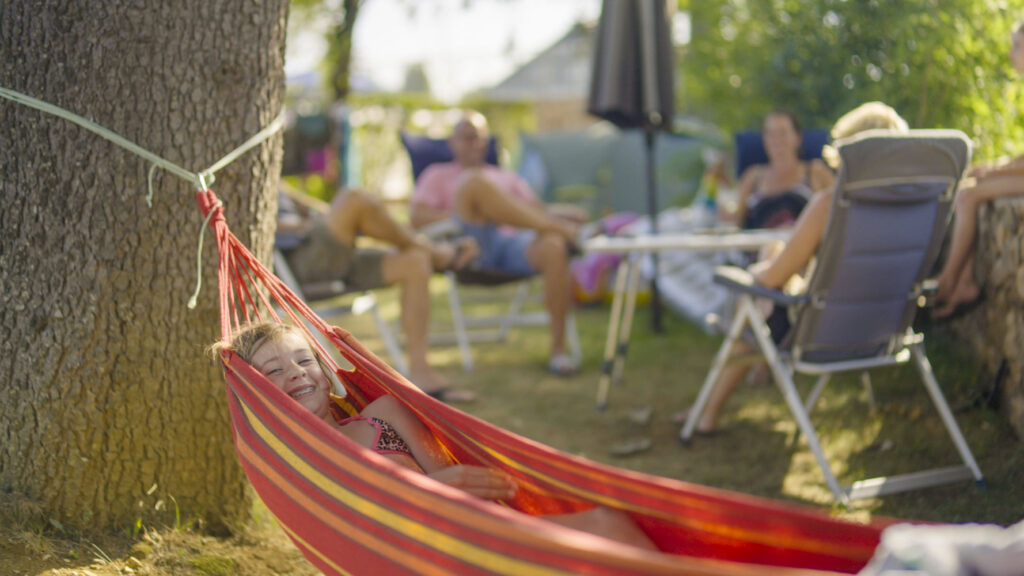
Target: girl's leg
(611, 524)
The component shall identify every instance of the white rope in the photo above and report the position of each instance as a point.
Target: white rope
(200, 180)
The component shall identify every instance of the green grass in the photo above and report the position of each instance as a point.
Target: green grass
(757, 451)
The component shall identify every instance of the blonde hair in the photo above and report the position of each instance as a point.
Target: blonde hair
(250, 339)
(868, 116)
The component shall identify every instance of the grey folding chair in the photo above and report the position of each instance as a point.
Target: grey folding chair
(319, 294)
(890, 211)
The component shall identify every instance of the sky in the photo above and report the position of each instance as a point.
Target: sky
(463, 44)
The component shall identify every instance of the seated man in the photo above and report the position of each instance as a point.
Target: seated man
(516, 232)
(323, 248)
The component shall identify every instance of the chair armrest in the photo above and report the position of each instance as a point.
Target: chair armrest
(740, 280)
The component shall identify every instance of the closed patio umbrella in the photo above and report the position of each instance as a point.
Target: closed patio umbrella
(633, 86)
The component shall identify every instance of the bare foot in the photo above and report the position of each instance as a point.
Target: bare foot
(703, 427)
(966, 292)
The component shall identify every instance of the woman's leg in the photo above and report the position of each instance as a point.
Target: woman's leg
(956, 281)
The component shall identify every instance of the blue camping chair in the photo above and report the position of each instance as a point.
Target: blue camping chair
(750, 147)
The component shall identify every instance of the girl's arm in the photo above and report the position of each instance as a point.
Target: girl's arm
(430, 454)
(747, 183)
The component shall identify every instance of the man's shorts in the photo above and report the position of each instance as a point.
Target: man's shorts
(501, 251)
(322, 258)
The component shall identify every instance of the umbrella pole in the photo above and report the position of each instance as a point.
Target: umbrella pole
(652, 209)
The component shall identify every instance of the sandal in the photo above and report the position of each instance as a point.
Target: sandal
(630, 447)
(563, 365)
(450, 395)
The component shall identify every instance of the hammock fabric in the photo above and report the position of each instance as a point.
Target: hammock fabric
(352, 511)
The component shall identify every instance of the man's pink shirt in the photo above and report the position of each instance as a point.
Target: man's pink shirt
(439, 183)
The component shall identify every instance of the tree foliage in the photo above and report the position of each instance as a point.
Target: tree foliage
(940, 64)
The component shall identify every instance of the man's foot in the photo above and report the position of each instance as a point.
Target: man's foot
(452, 395)
(563, 365)
(434, 385)
(679, 418)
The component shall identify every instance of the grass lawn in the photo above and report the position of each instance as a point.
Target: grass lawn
(757, 450)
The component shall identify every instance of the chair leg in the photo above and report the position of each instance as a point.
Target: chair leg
(711, 380)
(928, 377)
(784, 380)
(865, 380)
(812, 398)
(368, 303)
(459, 322)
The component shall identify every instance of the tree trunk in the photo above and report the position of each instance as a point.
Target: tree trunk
(341, 49)
(110, 412)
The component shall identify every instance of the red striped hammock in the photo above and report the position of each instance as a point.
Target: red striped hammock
(352, 511)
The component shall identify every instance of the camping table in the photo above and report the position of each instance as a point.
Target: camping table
(624, 300)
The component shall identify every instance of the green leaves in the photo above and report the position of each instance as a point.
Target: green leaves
(941, 65)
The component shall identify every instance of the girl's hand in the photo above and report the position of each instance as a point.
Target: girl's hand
(486, 483)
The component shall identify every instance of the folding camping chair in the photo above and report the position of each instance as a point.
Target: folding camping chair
(890, 210)
(424, 151)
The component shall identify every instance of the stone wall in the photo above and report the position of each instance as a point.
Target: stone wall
(994, 329)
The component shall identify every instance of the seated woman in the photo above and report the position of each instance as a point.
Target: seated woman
(783, 269)
(773, 195)
(285, 356)
(956, 281)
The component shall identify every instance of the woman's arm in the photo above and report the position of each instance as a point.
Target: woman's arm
(807, 234)
(821, 176)
(748, 181)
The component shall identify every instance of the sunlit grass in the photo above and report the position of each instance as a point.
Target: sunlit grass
(758, 450)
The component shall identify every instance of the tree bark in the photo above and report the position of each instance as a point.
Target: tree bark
(105, 390)
(341, 48)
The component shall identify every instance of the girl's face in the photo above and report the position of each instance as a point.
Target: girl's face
(780, 137)
(291, 365)
(1017, 52)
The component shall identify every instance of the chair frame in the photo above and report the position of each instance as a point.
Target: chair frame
(901, 348)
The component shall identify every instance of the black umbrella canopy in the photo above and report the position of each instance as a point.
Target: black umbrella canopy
(633, 75)
(632, 85)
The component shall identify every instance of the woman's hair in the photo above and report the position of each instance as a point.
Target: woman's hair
(868, 116)
(797, 127)
(250, 339)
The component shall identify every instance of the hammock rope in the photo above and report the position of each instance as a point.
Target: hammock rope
(200, 180)
(351, 511)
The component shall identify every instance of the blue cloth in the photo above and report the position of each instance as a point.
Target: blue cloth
(500, 251)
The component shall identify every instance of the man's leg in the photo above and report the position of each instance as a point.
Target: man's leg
(354, 213)
(480, 201)
(548, 254)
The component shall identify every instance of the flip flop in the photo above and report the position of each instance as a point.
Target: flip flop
(450, 395)
(679, 418)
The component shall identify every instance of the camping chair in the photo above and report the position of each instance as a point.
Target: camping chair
(423, 152)
(889, 214)
(320, 295)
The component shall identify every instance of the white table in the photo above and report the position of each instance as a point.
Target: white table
(626, 280)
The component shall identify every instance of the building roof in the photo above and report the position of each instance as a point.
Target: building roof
(560, 72)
